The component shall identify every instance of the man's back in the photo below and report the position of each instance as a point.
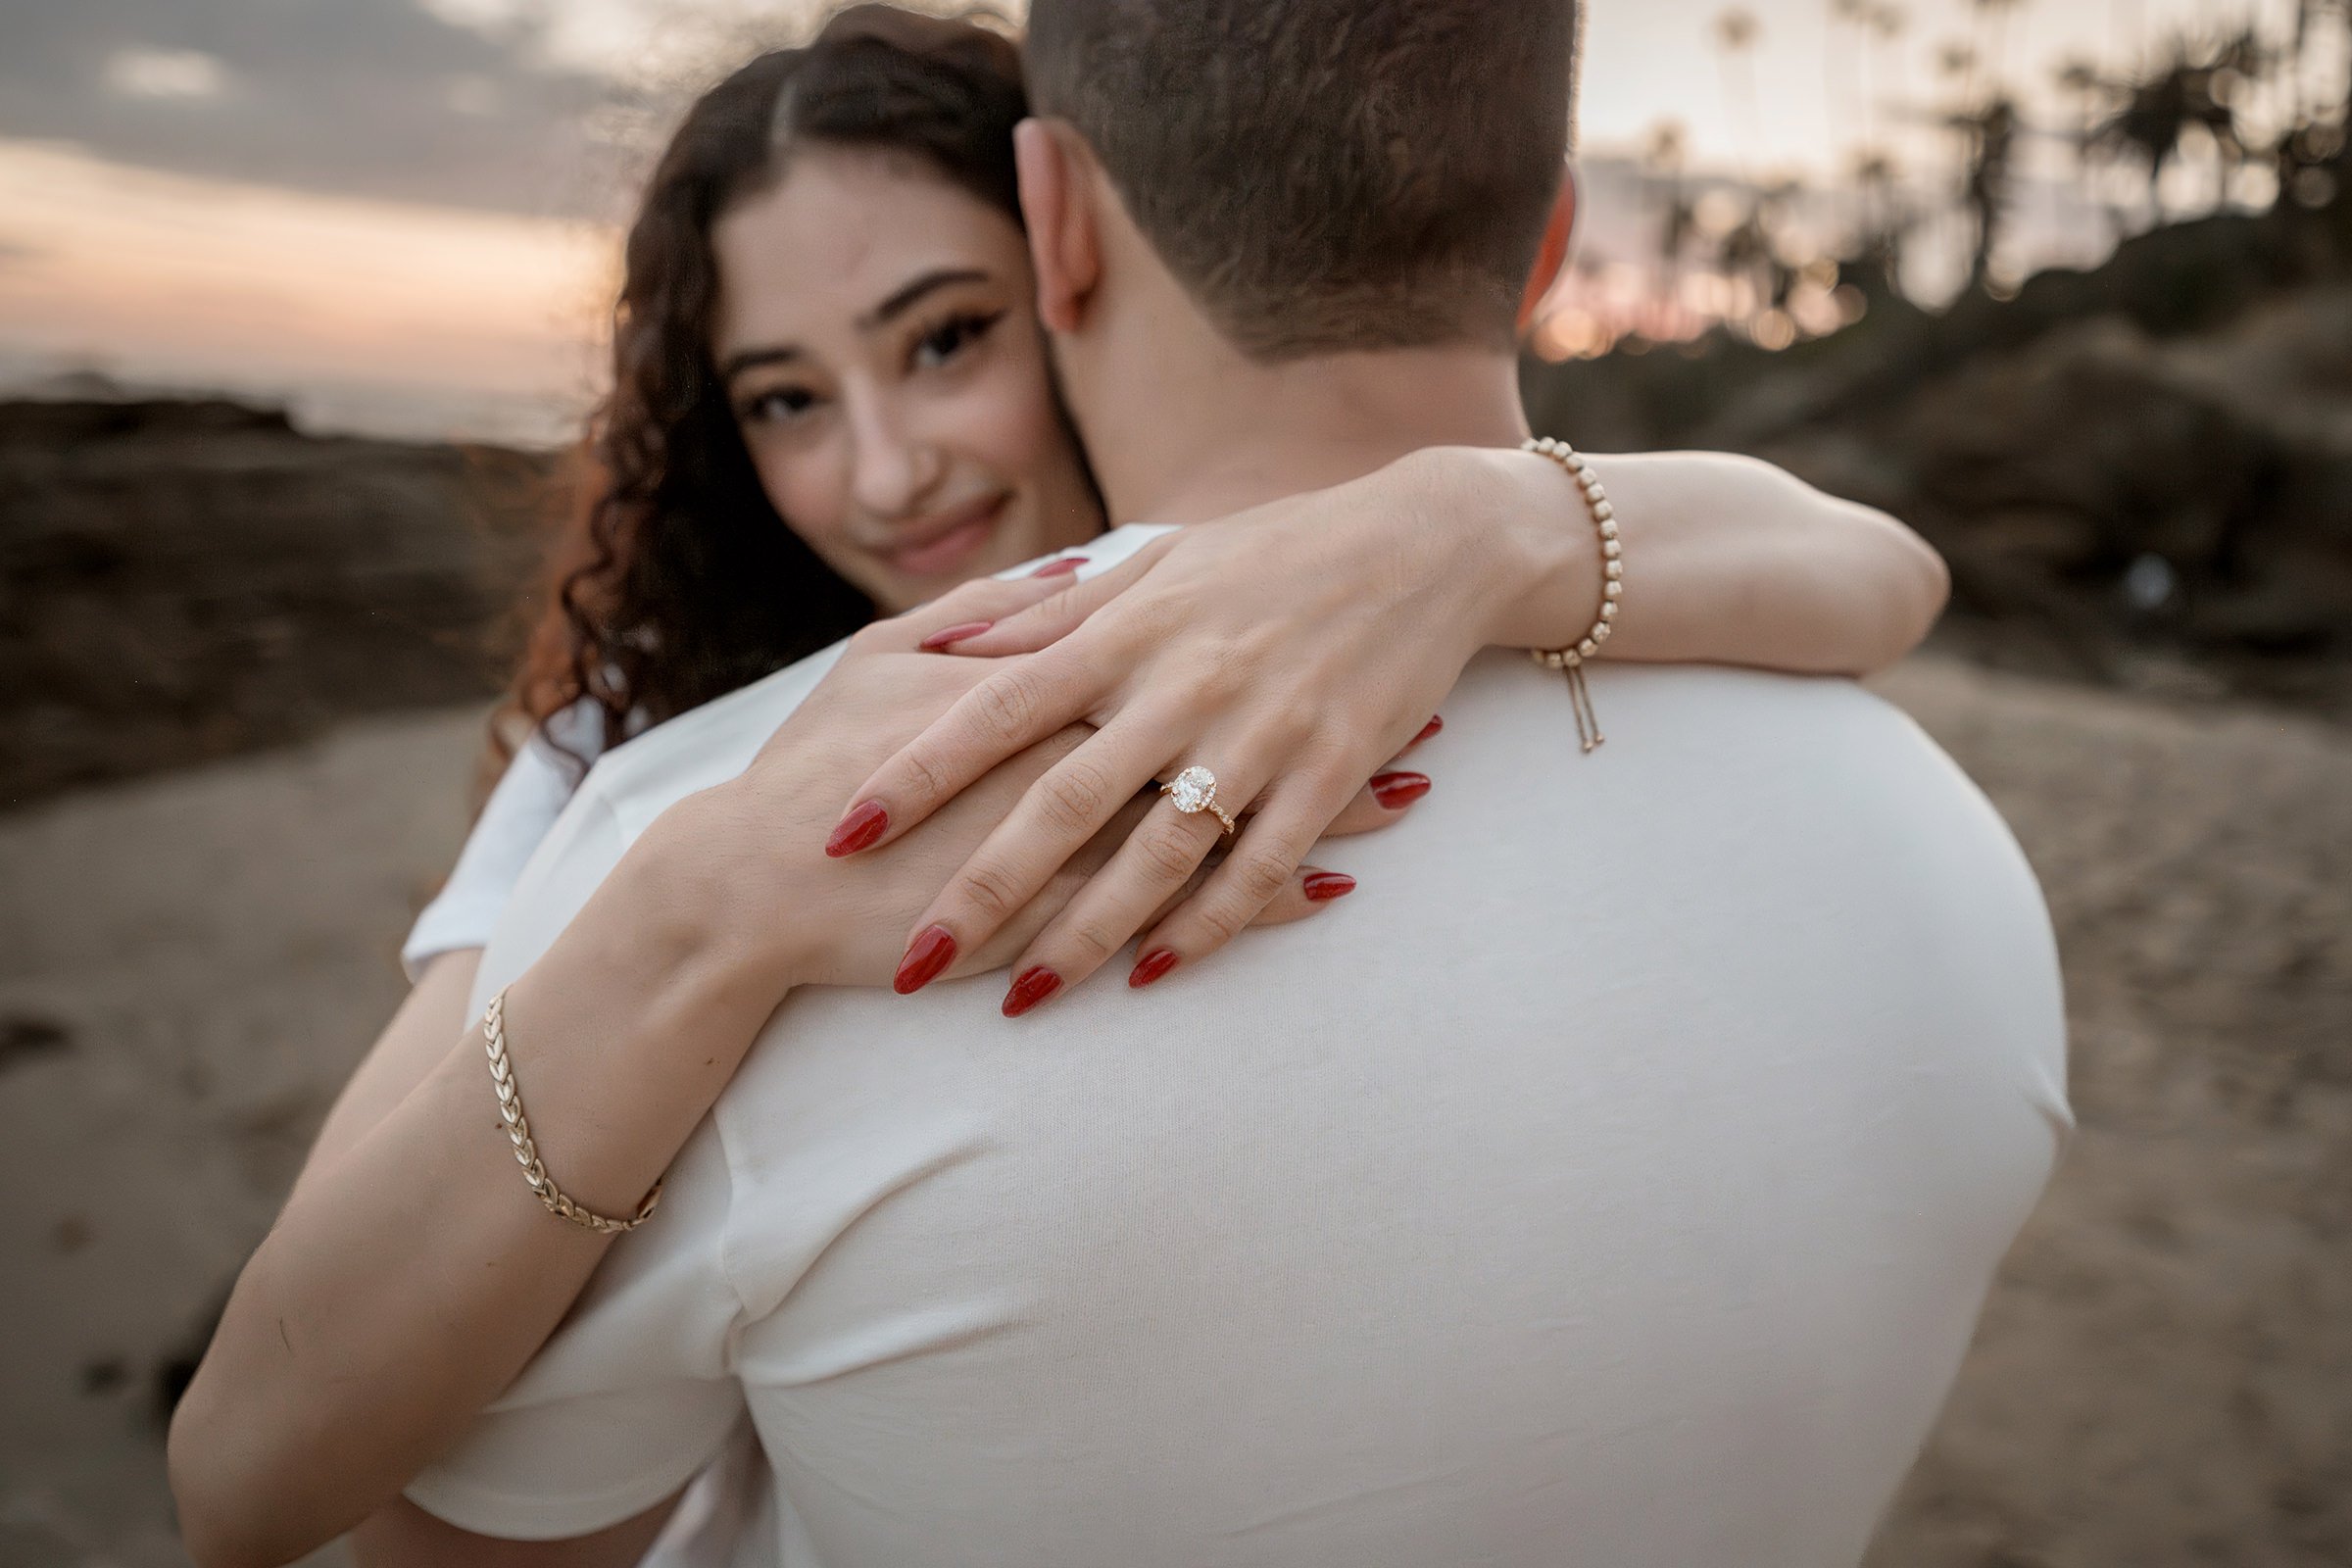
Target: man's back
(1615, 1180)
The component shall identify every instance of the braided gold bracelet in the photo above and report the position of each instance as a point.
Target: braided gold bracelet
(1571, 659)
(526, 1152)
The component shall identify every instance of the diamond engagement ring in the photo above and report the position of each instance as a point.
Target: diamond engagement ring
(1195, 790)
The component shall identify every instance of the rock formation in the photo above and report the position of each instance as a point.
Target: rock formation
(184, 581)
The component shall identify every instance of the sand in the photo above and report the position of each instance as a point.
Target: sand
(2163, 1372)
(189, 965)
(216, 949)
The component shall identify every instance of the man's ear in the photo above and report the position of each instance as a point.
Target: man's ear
(1063, 245)
(1554, 254)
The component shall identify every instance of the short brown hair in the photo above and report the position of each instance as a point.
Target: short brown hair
(1325, 174)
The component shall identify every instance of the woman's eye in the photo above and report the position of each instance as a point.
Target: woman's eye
(951, 338)
(780, 405)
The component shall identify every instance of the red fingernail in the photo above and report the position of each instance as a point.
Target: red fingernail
(927, 959)
(1398, 790)
(954, 634)
(1033, 987)
(1152, 964)
(1434, 725)
(862, 829)
(1324, 886)
(1054, 568)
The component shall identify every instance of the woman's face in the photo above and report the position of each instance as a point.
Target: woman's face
(876, 332)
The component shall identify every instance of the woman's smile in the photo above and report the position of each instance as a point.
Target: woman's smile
(938, 545)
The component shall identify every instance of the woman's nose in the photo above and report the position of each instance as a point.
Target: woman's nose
(892, 468)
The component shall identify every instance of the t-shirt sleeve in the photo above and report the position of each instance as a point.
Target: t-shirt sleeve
(632, 1396)
(514, 821)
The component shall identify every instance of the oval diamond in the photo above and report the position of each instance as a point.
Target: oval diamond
(1192, 789)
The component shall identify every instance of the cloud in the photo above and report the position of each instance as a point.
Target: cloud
(187, 73)
(380, 98)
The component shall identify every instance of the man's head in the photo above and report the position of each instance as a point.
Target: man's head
(1324, 176)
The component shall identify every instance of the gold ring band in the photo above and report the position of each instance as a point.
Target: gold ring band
(1195, 790)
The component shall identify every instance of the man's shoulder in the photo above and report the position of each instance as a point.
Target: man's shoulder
(1672, 719)
(1702, 762)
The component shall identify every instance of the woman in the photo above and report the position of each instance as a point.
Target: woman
(831, 397)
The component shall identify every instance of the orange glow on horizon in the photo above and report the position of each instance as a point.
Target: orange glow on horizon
(162, 276)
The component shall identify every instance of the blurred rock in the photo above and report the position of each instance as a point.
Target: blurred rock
(183, 580)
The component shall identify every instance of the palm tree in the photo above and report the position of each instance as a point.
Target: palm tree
(2127, 18)
(1991, 138)
(1743, 255)
(1878, 258)
(2292, 58)
(1662, 161)
(2155, 114)
(1886, 25)
(1994, 15)
(2080, 80)
(2314, 154)
(1959, 59)
(1736, 33)
(1845, 70)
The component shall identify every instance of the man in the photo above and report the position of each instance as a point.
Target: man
(1618, 1185)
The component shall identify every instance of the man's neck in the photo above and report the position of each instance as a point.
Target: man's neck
(1191, 430)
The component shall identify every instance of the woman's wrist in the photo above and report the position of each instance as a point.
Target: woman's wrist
(626, 1029)
(1530, 543)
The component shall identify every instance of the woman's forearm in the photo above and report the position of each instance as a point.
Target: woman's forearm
(413, 1274)
(1727, 560)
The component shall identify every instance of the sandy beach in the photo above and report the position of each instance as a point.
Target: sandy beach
(189, 964)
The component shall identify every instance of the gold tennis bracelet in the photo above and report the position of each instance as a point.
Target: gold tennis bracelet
(1571, 659)
(526, 1152)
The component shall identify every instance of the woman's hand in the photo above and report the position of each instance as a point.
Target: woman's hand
(1293, 652)
(1294, 649)
(745, 856)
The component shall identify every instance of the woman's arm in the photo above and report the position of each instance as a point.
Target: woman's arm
(1729, 560)
(404, 1534)
(1297, 646)
(413, 1274)
(432, 1015)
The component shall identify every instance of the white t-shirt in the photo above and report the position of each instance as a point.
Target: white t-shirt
(531, 795)
(1614, 1180)
(528, 798)
(539, 781)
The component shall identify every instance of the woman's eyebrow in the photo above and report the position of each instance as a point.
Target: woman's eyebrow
(743, 359)
(908, 294)
(901, 301)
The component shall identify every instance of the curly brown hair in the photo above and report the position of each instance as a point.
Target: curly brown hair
(675, 581)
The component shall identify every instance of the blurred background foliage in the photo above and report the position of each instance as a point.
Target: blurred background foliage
(2141, 469)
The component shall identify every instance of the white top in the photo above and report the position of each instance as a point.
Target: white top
(529, 797)
(1614, 1180)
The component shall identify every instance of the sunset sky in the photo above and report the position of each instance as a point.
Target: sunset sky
(399, 211)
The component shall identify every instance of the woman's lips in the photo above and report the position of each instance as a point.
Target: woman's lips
(948, 547)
